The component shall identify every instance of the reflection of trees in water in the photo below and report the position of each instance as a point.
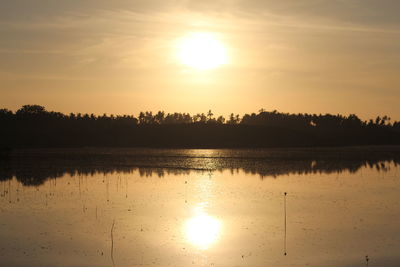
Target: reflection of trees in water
(318, 167)
(36, 169)
(36, 173)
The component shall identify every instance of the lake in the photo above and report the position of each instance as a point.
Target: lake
(152, 207)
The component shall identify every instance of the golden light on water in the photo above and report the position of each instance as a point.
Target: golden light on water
(202, 51)
(202, 230)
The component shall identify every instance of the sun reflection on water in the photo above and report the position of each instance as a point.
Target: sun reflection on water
(202, 230)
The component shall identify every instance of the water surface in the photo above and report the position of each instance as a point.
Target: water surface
(200, 208)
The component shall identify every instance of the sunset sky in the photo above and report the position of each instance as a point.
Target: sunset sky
(122, 57)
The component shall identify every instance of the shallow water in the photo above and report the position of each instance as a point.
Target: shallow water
(106, 213)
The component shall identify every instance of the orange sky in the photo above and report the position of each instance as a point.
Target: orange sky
(121, 56)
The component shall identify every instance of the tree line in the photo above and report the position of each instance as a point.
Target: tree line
(34, 126)
(263, 117)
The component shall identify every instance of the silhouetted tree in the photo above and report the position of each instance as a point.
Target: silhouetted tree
(220, 120)
(159, 117)
(30, 111)
(209, 115)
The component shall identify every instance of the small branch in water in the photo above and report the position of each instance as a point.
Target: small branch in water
(367, 260)
(112, 243)
(284, 253)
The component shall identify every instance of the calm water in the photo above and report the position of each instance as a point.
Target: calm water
(200, 208)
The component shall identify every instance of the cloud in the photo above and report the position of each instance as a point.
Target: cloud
(371, 12)
(48, 9)
(323, 40)
(368, 12)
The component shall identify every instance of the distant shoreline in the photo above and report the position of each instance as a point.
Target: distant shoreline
(271, 152)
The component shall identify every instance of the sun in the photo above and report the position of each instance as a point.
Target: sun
(202, 51)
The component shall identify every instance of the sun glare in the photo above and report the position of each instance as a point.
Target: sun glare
(202, 230)
(202, 51)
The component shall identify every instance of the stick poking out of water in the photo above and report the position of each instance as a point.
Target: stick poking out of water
(112, 243)
(284, 207)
